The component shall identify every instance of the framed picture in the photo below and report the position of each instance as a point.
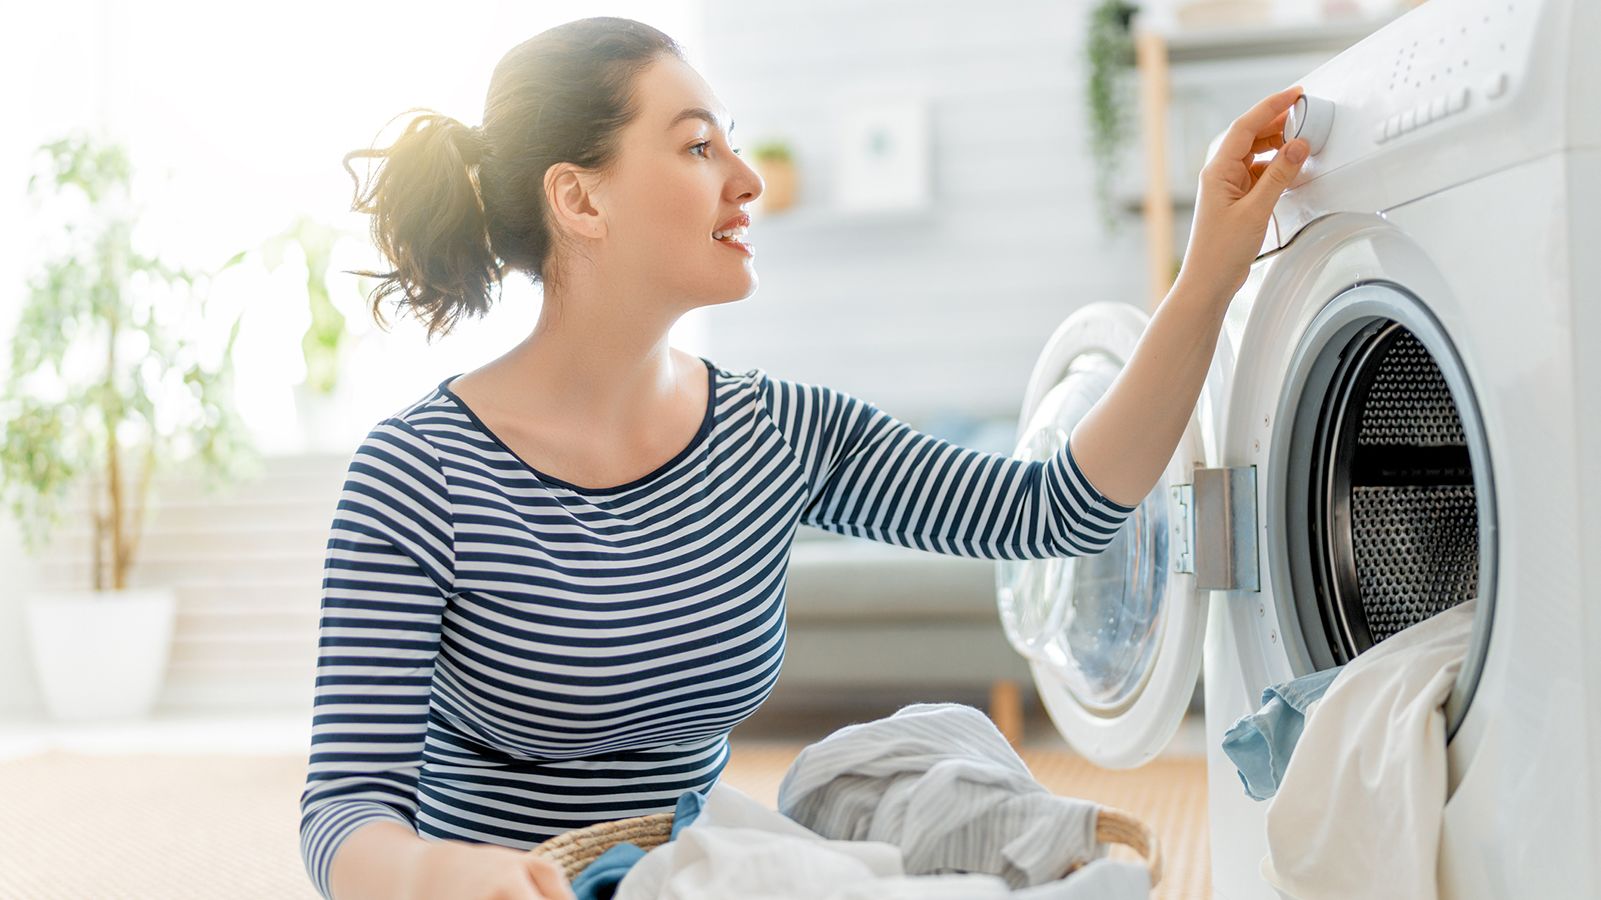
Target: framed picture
(884, 160)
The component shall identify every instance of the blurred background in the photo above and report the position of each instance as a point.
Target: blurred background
(192, 365)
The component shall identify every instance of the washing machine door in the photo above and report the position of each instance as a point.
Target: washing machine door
(1114, 639)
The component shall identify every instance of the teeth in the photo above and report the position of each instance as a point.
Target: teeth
(732, 232)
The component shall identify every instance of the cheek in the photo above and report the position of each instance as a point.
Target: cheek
(670, 214)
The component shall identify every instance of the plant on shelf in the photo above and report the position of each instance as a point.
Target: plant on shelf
(1109, 60)
(321, 343)
(776, 162)
(321, 408)
(108, 381)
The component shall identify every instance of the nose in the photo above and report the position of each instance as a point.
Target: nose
(748, 181)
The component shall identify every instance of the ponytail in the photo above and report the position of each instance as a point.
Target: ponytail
(428, 221)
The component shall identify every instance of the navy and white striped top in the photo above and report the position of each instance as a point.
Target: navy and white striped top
(504, 656)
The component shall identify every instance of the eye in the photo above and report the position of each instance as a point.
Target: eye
(708, 144)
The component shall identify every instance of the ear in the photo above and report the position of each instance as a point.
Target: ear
(570, 193)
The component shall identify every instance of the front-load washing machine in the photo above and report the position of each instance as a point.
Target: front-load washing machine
(1404, 412)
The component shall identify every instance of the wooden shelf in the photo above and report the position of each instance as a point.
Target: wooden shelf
(1332, 36)
(1160, 45)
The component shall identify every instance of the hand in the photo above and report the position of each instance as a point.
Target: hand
(1237, 195)
(458, 870)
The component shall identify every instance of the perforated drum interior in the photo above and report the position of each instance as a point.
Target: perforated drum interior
(1394, 513)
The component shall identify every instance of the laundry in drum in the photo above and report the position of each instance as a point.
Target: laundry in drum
(1260, 743)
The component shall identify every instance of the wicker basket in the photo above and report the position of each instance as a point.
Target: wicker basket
(576, 849)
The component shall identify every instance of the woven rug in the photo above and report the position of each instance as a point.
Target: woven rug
(170, 826)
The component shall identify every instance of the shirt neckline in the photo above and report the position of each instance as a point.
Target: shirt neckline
(700, 435)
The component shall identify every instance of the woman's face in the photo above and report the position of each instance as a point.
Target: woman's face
(677, 179)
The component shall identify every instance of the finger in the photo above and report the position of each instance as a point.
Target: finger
(1274, 138)
(550, 880)
(1255, 123)
(1271, 142)
(1278, 175)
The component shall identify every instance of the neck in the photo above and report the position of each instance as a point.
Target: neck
(597, 364)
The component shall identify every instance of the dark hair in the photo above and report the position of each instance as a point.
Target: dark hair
(454, 208)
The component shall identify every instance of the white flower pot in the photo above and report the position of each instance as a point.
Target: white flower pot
(100, 654)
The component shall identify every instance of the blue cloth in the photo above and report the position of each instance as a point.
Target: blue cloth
(690, 803)
(600, 878)
(1260, 744)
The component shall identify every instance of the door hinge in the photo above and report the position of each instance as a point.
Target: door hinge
(1214, 529)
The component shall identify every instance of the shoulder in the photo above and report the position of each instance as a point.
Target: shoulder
(734, 376)
(407, 440)
(740, 386)
(803, 410)
(758, 381)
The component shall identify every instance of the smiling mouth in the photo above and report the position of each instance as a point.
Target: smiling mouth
(741, 246)
(735, 238)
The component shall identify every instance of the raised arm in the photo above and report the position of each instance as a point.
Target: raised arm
(871, 475)
(1126, 440)
(386, 578)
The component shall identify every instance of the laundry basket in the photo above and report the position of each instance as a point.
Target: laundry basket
(576, 849)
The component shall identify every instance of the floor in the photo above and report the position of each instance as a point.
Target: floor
(221, 796)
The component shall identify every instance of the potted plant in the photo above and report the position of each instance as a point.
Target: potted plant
(319, 409)
(104, 391)
(777, 166)
(1109, 61)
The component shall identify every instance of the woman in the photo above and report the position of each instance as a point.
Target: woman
(555, 583)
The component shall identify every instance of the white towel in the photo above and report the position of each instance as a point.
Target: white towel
(1358, 812)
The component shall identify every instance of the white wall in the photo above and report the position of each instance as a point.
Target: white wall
(946, 315)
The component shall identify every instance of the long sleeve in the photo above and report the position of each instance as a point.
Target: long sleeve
(387, 575)
(870, 475)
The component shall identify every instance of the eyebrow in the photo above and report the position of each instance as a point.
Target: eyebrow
(699, 112)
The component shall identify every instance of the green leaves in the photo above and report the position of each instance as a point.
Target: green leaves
(320, 344)
(78, 161)
(772, 150)
(105, 362)
(1109, 59)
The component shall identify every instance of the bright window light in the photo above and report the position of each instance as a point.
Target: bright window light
(237, 117)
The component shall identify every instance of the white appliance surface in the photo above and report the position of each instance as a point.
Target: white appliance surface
(1439, 212)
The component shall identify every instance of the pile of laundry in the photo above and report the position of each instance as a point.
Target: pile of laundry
(931, 802)
(1353, 761)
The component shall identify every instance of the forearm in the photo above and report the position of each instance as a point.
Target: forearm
(1124, 443)
(378, 860)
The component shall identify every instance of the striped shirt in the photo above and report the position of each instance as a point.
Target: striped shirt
(504, 656)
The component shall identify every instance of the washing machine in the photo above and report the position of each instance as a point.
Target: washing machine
(1403, 412)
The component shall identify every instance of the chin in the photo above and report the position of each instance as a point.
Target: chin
(735, 294)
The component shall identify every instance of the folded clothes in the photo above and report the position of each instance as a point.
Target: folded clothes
(939, 781)
(739, 849)
(1260, 743)
(735, 847)
(929, 803)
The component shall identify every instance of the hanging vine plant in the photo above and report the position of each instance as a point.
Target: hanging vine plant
(1109, 58)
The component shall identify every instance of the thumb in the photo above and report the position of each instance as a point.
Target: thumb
(548, 877)
(1277, 176)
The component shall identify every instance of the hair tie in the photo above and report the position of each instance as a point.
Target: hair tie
(470, 142)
